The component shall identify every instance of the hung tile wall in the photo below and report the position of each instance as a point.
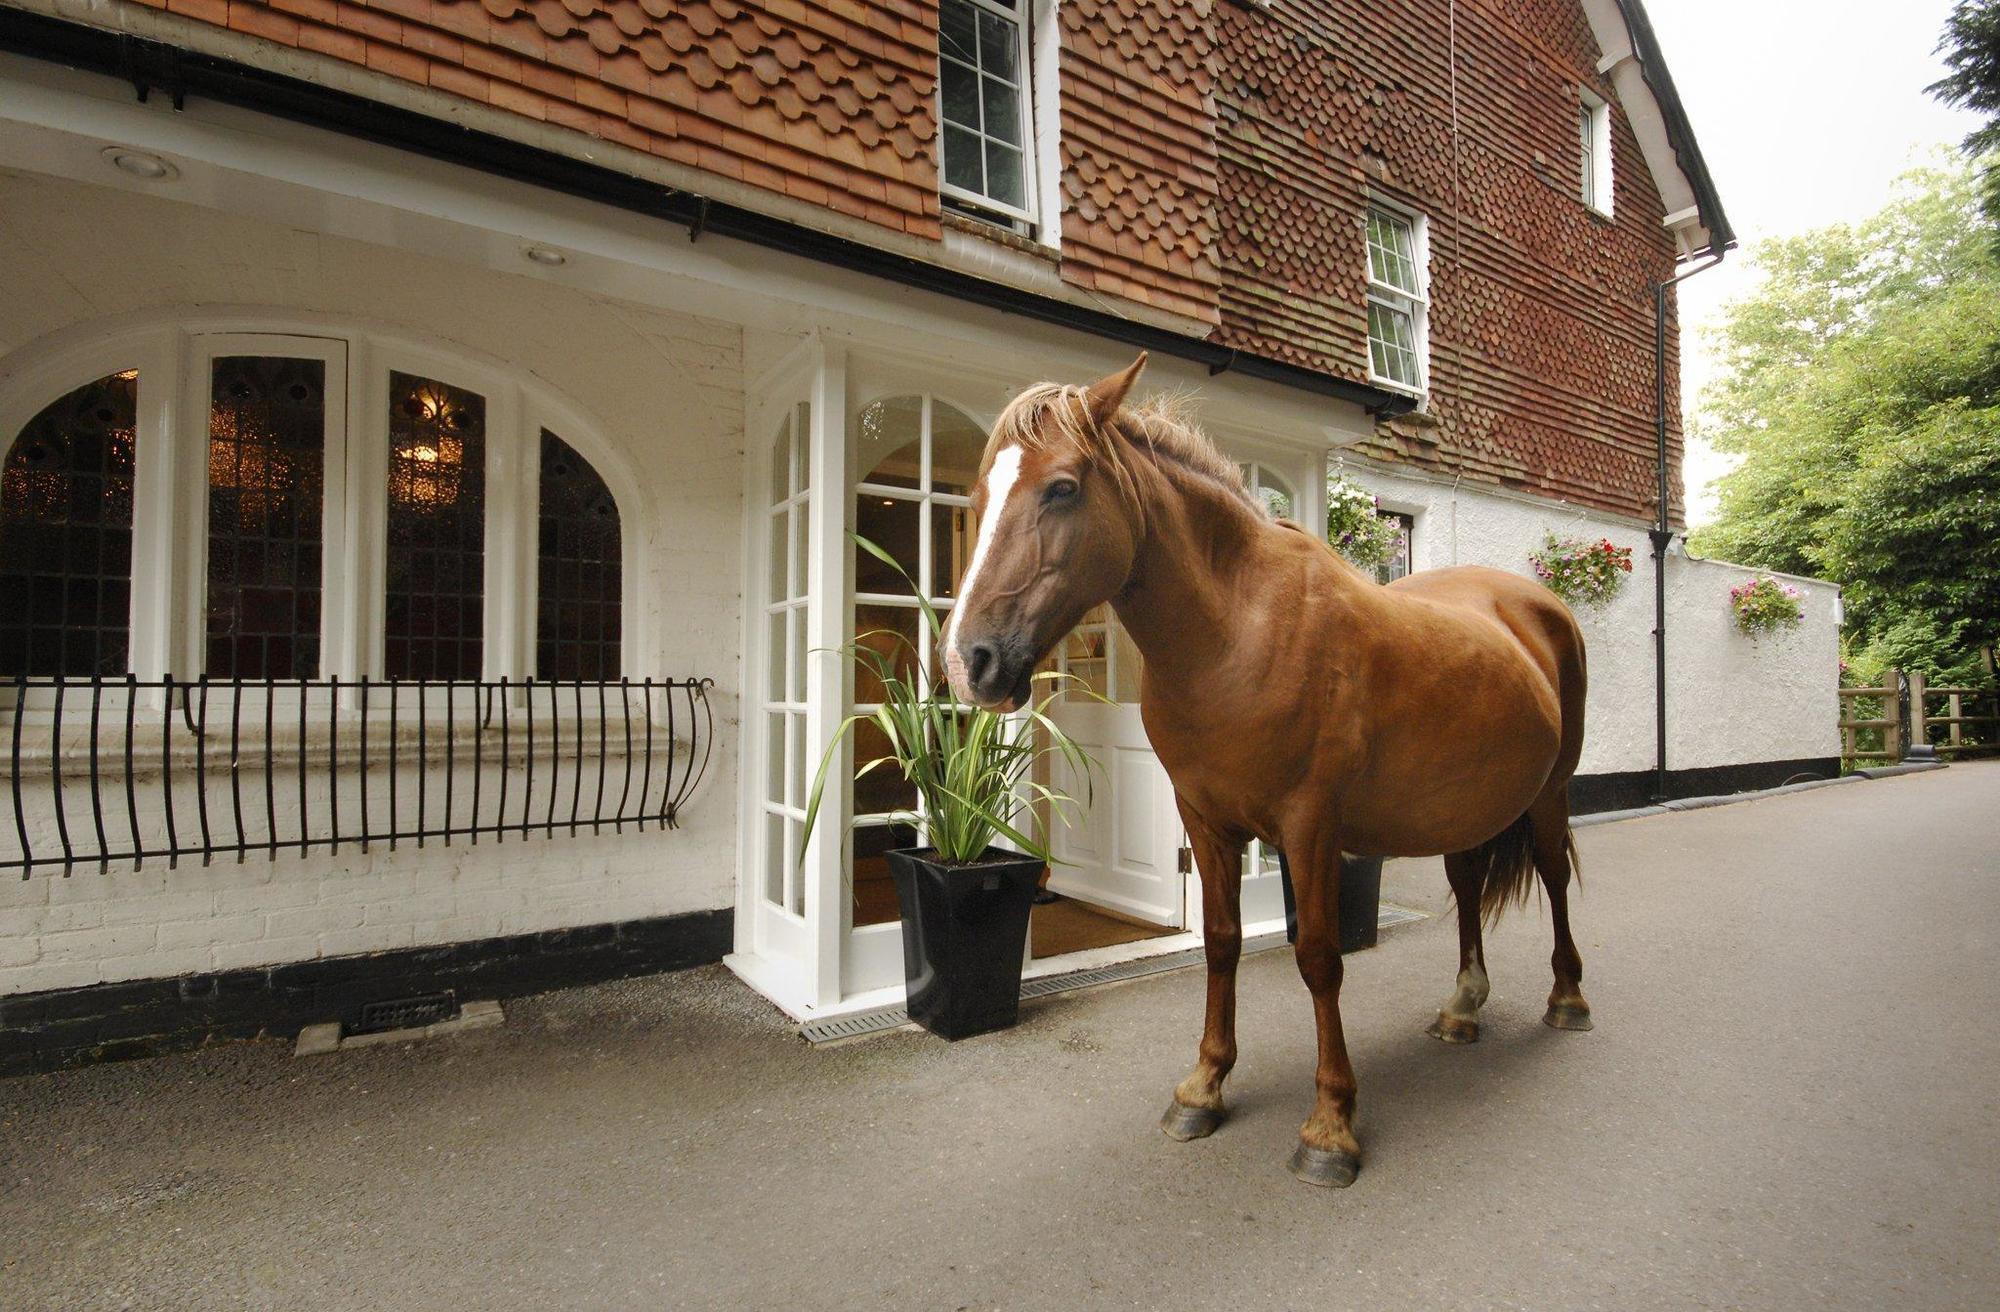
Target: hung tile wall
(828, 102)
(1216, 157)
(1139, 152)
(1541, 341)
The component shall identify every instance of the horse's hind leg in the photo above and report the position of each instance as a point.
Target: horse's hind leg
(1197, 1108)
(1549, 819)
(1458, 1021)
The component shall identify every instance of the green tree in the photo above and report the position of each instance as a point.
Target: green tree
(1861, 385)
(1971, 49)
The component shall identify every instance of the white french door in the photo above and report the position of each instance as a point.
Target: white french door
(1121, 850)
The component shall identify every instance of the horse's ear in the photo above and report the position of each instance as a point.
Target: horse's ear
(1107, 394)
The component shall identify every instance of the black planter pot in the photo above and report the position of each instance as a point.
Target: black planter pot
(1360, 901)
(965, 929)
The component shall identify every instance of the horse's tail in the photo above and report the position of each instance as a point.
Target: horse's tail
(1506, 863)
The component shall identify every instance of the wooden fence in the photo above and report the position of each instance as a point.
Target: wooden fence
(1894, 720)
(1871, 721)
(1962, 732)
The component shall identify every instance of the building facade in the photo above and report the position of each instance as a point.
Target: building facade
(436, 427)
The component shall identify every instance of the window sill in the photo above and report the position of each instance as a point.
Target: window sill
(1000, 236)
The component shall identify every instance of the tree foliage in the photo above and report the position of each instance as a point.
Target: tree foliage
(1971, 50)
(1861, 385)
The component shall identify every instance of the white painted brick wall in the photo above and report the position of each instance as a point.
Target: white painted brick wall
(1729, 700)
(667, 388)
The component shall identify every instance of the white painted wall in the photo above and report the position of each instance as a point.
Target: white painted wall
(665, 388)
(1729, 700)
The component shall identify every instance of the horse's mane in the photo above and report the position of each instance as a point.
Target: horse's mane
(1051, 412)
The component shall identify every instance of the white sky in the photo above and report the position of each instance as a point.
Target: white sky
(1805, 110)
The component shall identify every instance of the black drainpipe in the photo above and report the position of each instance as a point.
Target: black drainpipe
(1662, 532)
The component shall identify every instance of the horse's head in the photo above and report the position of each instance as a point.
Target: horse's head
(1059, 527)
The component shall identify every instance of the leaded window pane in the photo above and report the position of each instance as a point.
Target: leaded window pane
(580, 565)
(66, 535)
(434, 613)
(266, 506)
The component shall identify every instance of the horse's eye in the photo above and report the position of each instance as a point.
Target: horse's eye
(1063, 489)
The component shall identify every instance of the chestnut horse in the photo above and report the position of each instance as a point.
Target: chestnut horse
(1290, 697)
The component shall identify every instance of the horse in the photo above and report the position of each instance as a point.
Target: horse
(1290, 697)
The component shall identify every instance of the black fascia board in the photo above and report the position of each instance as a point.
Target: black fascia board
(157, 66)
(1680, 132)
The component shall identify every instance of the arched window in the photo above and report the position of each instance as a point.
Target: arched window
(579, 569)
(66, 535)
(312, 504)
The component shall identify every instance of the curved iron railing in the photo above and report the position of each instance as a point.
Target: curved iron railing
(100, 769)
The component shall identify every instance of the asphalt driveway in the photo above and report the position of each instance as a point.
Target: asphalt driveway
(1791, 1100)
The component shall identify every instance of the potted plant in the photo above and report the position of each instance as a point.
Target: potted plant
(965, 899)
(1581, 572)
(1765, 607)
(1356, 526)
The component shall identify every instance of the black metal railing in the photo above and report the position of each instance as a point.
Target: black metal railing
(111, 770)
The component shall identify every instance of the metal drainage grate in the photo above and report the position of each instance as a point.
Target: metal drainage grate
(859, 1023)
(405, 1013)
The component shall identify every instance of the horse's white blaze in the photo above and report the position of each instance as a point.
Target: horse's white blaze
(999, 482)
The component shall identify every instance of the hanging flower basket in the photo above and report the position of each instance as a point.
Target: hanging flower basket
(1764, 606)
(1356, 526)
(1580, 571)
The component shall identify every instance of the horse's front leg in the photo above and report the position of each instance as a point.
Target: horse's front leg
(1197, 1108)
(1328, 1153)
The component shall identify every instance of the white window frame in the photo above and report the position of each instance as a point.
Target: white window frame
(1021, 14)
(1594, 151)
(173, 355)
(1415, 303)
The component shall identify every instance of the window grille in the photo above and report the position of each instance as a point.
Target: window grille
(107, 771)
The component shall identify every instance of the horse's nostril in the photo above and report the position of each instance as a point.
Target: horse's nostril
(978, 661)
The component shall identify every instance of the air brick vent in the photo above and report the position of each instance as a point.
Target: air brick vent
(405, 1013)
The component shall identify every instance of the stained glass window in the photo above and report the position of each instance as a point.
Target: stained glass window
(66, 535)
(579, 569)
(434, 614)
(266, 494)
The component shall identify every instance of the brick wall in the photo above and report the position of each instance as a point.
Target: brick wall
(1541, 323)
(1215, 160)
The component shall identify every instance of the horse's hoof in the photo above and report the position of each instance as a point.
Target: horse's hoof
(1454, 1029)
(1184, 1123)
(1567, 1016)
(1327, 1168)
